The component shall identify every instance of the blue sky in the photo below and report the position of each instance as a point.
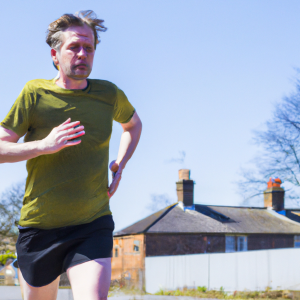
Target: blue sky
(202, 75)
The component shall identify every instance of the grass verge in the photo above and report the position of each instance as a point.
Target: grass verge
(202, 292)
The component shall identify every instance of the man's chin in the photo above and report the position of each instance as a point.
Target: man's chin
(79, 76)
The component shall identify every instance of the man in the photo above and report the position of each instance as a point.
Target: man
(66, 223)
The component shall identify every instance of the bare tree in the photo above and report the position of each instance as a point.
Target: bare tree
(10, 207)
(280, 155)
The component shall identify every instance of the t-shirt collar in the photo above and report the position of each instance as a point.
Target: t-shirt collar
(69, 91)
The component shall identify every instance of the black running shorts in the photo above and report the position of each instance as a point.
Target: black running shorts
(44, 254)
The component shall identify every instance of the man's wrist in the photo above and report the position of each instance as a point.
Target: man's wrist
(40, 147)
(121, 166)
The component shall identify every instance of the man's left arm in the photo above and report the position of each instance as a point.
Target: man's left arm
(129, 140)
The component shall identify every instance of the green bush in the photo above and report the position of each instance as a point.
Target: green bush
(202, 289)
(6, 256)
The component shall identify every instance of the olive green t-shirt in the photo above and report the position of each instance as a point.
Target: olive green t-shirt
(68, 187)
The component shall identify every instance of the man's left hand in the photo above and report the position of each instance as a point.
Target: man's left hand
(114, 167)
(129, 140)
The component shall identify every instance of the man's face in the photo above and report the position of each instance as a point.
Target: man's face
(76, 52)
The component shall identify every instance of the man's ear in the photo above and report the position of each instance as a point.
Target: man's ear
(54, 56)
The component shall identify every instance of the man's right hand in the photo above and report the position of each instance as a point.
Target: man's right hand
(60, 137)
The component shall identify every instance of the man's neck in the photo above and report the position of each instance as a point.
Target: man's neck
(71, 84)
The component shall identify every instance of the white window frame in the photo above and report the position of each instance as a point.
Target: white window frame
(236, 243)
(136, 246)
(242, 243)
(230, 243)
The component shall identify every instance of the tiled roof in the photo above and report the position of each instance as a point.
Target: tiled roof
(215, 219)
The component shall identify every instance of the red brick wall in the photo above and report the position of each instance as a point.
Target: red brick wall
(178, 244)
(129, 264)
(270, 241)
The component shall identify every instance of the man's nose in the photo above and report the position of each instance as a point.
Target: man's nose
(82, 52)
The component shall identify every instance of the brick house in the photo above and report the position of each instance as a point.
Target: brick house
(188, 228)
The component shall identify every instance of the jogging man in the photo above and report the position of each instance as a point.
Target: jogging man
(66, 224)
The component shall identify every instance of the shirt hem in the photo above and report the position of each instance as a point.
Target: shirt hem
(61, 226)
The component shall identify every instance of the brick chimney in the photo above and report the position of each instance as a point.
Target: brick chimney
(274, 195)
(185, 188)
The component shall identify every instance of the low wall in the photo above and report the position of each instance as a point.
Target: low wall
(250, 270)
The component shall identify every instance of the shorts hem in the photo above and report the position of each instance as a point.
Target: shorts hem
(81, 261)
(36, 286)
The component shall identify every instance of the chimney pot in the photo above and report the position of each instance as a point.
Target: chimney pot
(274, 195)
(184, 174)
(274, 182)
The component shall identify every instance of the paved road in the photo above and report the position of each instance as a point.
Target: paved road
(14, 293)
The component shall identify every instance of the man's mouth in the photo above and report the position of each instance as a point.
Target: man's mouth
(81, 66)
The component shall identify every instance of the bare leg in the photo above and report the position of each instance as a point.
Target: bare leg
(90, 280)
(47, 292)
(21, 279)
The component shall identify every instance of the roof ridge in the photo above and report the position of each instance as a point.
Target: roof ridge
(154, 217)
(284, 218)
(161, 216)
(232, 206)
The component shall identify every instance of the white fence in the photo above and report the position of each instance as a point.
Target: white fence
(251, 270)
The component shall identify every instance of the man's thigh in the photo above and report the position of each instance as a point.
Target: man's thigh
(47, 292)
(90, 280)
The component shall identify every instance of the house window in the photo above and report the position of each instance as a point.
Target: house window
(230, 244)
(297, 241)
(136, 246)
(239, 243)
(242, 243)
(116, 252)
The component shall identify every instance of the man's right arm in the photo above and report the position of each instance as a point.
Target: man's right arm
(58, 138)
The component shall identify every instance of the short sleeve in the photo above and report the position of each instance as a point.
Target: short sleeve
(18, 118)
(123, 110)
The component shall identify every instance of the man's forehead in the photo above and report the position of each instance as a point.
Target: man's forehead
(76, 33)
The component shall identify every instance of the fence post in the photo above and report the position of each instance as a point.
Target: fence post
(208, 270)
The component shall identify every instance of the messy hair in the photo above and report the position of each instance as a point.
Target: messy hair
(80, 18)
